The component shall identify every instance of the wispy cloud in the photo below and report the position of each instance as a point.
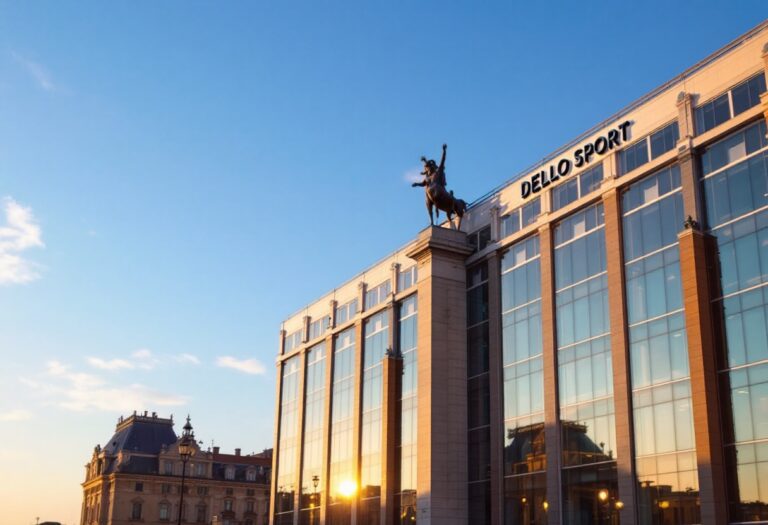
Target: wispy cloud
(248, 366)
(413, 175)
(15, 415)
(109, 364)
(19, 234)
(38, 73)
(62, 386)
(188, 359)
(142, 359)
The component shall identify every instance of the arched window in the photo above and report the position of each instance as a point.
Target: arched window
(165, 511)
(136, 510)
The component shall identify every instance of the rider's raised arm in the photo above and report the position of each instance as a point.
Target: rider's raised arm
(442, 159)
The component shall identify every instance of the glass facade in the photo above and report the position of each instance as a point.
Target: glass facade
(341, 473)
(585, 376)
(735, 180)
(289, 441)
(312, 447)
(525, 457)
(376, 330)
(665, 455)
(478, 392)
(577, 187)
(407, 444)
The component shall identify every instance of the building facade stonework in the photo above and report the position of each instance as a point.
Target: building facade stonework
(591, 348)
(136, 478)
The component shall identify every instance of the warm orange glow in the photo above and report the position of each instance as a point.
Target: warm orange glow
(603, 495)
(347, 488)
(545, 505)
(664, 504)
(619, 504)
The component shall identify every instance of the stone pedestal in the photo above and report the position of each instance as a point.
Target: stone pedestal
(442, 376)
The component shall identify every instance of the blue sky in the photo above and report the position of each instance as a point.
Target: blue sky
(177, 178)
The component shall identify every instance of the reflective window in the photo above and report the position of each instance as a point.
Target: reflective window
(663, 421)
(406, 278)
(292, 341)
(312, 449)
(737, 212)
(318, 327)
(376, 331)
(577, 187)
(342, 420)
(480, 239)
(648, 148)
(478, 393)
(346, 312)
(407, 445)
(288, 439)
(585, 377)
(521, 217)
(716, 111)
(377, 294)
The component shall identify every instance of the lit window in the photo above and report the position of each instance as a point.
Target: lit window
(165, 512)
(229, 473)
(250, 475)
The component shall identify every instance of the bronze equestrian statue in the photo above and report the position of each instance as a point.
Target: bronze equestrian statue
(436, 192)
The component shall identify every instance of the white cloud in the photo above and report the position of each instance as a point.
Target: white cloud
(111, 364)
(39, 73)
(248, 366)
(19, 233)
(15, 415)
(143, 358)
(413, 175)
(187, 359)
(66, 388)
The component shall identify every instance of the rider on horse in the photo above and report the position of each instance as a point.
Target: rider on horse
(436, 192)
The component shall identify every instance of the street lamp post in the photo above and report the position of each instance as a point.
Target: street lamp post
(186, 450)
(315, 481)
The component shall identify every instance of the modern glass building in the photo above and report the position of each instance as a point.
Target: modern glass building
(591, 348)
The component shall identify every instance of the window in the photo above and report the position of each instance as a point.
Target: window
(250, 475)
(250, 492)
(346, 312)
(292, 340)
(521, 217)
(228, 505)
(406, 278)
(139, 487)
(377, 295)
(202, 491)
(200, 469)
(136, 510)
(480, 239)
(168, 468)
(649, 148)
(318, 328)
(165, 488)
(730, 103)
(229, 473)
(575, 188)
(201, 511)
(230, 491)
(165, 512)
(249, 506)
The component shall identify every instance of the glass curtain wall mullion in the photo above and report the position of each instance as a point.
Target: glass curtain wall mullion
(523, 384)
(665, 457)
(585, 377)
(736, 204)
(341, 472)
(289, 441)
(376, 333)
(312, 446)
(408, 404)
(478, 395)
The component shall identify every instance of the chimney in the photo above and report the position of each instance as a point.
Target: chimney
(237, 452)
(215, 450)
(145, 413)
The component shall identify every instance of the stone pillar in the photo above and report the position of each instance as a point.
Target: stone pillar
(361, 289)
(764, 96)
(276, 433)
(622, 385)
(696, 252)
(325, 471)
(442, 376)
(332, 314)
(395, 272)
(496, 385)
(551, 401)
(685, 119)
(357, 410)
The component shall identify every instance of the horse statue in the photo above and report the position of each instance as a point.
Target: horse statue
(437, 194)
